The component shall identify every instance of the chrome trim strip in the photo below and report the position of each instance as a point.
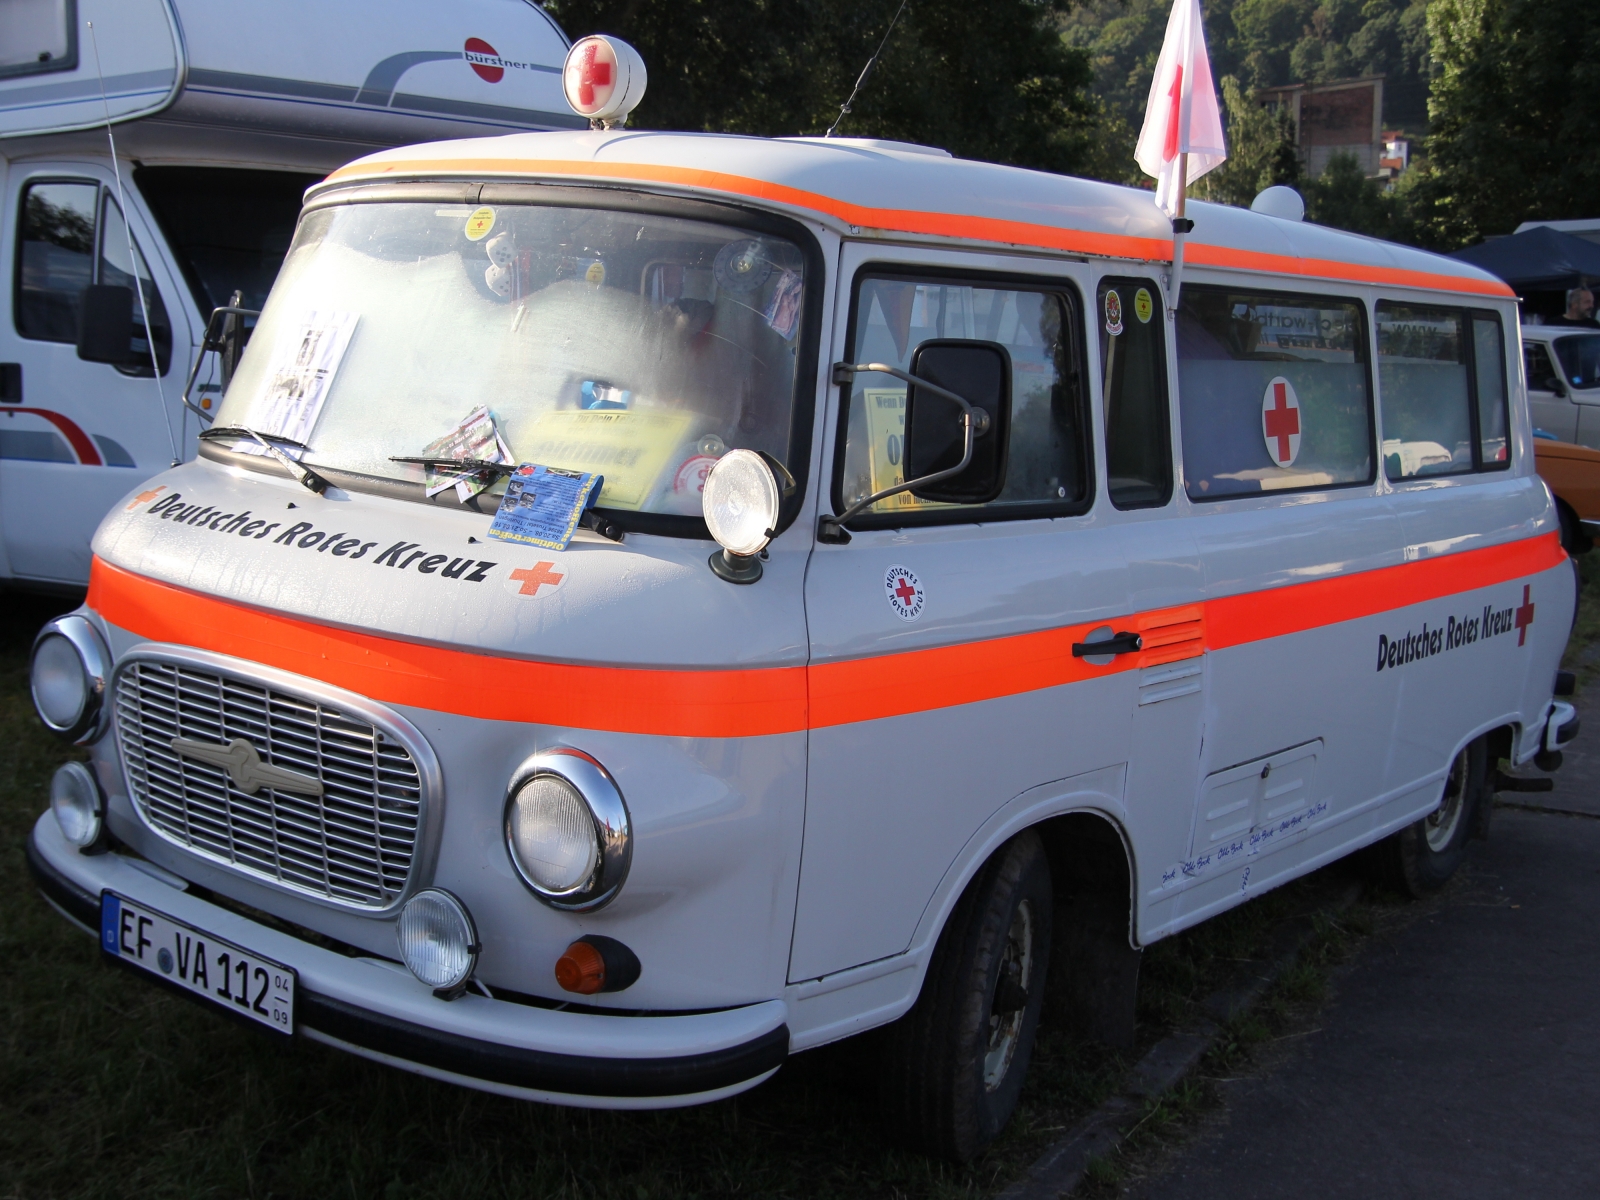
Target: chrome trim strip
(390, 723)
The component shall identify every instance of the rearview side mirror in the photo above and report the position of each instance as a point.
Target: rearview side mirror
(105, 325)
(980, 372)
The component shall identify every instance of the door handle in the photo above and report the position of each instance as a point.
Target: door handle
(1119, 643)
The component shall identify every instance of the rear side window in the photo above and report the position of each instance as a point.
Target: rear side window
(1274, 392)
(1442, 375)
(1047, 471)
(1133, 365)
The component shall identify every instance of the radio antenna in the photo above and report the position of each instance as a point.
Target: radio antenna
(133, 260)
(866, 71)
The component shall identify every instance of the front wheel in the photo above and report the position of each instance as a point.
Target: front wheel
(956, 1061)
(1423, 856)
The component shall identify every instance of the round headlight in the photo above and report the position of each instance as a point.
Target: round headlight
(438, 942)
(75, 801)
(68, 678)
(740, 502)
(553, 837)
(567, 830)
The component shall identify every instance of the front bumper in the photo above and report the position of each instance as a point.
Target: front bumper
(378, 1010)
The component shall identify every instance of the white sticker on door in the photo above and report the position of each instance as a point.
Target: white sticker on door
(905, 592)
(1280, 421)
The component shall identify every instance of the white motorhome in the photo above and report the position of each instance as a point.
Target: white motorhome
(960, 610)
(223, 115)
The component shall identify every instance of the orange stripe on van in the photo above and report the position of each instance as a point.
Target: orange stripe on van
(752, 702)
(710, 703)
(952, 225)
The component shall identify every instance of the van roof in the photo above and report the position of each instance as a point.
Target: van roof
(874, 189)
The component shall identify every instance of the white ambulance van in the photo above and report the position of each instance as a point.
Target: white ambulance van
(952, 621)
(223, 115)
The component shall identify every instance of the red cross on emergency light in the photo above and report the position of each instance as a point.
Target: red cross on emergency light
(1524, 616)
(537, 576)
(1280, 421)
(592, 73)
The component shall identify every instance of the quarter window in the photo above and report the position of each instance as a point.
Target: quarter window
(1443, 378)
(1047, 470)
(1274, 392)
(1133, 364)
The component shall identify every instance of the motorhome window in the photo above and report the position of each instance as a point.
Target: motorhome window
(41, 35)
(1489, 374)
(1580, 360)
(1047, 470)
(639, 347)
(1438, 389)
(114, 269)
(56, 258)
(1274, 392)
(1133, 375)
(228, 229)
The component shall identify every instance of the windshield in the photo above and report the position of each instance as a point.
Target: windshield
(1580, 359)
(637, 347)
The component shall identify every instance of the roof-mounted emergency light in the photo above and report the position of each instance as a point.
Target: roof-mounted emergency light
(604, 79)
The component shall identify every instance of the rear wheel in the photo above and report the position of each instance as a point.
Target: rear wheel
(1423, 856)
(956, 1062)
(1573, 539)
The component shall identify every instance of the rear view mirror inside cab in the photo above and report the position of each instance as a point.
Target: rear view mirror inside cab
(980, 372)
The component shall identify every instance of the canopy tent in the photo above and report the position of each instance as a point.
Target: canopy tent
(1540, 260)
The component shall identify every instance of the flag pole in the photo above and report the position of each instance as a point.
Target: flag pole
(1181, 225)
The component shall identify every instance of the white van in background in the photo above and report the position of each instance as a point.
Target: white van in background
(223, 115)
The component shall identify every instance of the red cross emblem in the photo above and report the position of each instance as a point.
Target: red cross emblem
(1524, 614)
(537, 576)
(905, 591)
(1169, 145)
(591, 74)
(142, 497)
(1280, 421)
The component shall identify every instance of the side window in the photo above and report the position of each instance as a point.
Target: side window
(1047, 469)
(55, 261)
(1274, 392)
(1442, 376)
(114, 269)
(1133, 360)
(1541, 375)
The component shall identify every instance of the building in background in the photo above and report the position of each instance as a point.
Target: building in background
(1342, 117)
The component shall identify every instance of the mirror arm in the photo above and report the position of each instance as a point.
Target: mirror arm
(209, 343)
(974, 423)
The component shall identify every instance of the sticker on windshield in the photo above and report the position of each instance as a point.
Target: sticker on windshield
(1113, 313)
(542, 506)
(905, 592)
(783, 310)
(1143, 306)
(479, 224)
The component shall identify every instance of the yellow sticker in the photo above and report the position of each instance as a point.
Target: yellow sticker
(886, 432)
(479, 224)
(1142, 306)
(630, 448)
(596, 274)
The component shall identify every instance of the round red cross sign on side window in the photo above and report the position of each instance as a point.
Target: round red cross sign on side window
(1280, 422)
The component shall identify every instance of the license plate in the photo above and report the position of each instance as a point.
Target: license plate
(228, 975)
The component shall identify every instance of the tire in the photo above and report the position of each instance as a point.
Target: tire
(1423, 856)
(1573, 540)
(955, 1063)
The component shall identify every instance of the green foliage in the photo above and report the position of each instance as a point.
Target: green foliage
(1513, 113)
(1342, 197)
(1261, 151)
(987, 79)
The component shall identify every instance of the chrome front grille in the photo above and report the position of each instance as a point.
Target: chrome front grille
(353, 845)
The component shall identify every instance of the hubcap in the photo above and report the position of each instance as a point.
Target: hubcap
(1440, 826)
(1009, 1004)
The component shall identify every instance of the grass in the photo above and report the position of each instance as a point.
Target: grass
(110, 1088)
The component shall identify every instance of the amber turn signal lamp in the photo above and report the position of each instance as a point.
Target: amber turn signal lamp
(595, 963)
(581, 969)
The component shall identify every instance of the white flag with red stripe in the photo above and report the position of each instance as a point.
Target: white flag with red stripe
(1181, 116)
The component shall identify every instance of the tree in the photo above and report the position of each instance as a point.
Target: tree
(1513, 114)
(986, 79)
(1342, 197)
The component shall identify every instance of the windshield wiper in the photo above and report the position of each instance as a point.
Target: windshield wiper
(307, 477)
(477, 466)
